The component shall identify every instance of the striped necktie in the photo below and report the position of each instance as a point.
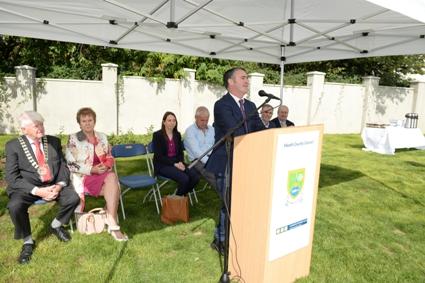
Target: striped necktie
(243, 114)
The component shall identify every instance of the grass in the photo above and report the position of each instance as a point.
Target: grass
(370, 227)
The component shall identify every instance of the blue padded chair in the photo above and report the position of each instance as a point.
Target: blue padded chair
(162, 180)
(132, 182)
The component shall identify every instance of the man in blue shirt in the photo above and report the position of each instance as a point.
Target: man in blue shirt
(198, 138)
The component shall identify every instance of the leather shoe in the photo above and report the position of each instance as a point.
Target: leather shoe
(61, 233)
(26, 253)
(218, 246)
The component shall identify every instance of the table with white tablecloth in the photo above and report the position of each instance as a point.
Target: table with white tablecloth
(387, 140)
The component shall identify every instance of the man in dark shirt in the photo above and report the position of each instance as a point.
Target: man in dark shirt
(281, 120)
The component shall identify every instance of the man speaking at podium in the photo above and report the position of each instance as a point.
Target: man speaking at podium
(230, 110)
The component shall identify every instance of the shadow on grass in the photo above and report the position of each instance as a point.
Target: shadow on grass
(332, 175)
(115, 264)
(3, 202)
(399, 150)
(143, 217)
(415, 164)
(35, 211)
(357, 145)
(46, 218)
(44, 232)
(404, 195)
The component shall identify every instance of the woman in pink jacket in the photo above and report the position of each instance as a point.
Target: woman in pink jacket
(89, 160)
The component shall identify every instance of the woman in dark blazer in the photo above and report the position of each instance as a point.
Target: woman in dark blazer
(168, 156)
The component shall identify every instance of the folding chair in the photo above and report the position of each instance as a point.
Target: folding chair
(162, 180)
(132, 182)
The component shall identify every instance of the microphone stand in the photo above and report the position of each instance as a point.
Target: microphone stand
(228, 139)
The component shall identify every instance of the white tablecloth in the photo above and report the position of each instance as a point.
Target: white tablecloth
(386, 140)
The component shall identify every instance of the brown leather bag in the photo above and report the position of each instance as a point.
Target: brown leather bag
(174, 209)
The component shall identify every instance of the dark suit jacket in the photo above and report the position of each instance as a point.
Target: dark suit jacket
(227, 115)
(160, 149)
(21, 175)
(276, 123)
(271, 125)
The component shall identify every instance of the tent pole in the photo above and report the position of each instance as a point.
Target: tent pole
(282, 73)
(172, 11)
(291, 26)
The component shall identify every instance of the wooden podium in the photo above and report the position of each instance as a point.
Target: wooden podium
(274, 188)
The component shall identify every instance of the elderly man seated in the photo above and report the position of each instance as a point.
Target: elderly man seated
(281, 120)
(36, 170)
(266, 115)
(199, 137)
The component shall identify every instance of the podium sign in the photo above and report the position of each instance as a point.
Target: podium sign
(293, 191)
(274, 189)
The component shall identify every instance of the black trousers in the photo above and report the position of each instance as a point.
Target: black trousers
(186, 179)
(209, 177)
(20, 201)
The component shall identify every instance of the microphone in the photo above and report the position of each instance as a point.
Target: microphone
(265, 94)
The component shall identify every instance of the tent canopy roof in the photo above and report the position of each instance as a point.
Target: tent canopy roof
(267, 31)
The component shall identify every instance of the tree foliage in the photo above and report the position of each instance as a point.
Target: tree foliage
(391, 69)
(79, 61)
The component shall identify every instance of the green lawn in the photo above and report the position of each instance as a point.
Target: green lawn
(370, 227)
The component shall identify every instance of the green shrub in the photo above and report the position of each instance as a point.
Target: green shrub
(129, 137)
(3, 140)
(113, 139)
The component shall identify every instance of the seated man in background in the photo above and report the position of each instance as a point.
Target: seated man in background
(266, 115)
(281, 120)
(36, 170)
(199, 137)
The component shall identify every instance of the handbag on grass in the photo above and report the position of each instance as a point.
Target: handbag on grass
(92, 222)
(174, 209)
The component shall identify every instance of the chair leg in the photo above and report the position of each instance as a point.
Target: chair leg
(195, 195)
(122, 207)
(71, 225)
(190, 198)
(159, 186)
(149, 194)
(204, 187)
(159, 195)
(156, 200)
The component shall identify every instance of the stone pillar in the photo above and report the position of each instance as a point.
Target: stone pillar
(315, 81)
(109, 73)
(187, 99)
(371, 85)
(25, 84)
(190, 74)
(109, 120)
(418, 105)
(256, 83)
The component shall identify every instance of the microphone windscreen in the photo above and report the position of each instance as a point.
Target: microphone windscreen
(262, 93)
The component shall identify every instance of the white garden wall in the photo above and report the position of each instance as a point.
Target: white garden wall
(136, 104)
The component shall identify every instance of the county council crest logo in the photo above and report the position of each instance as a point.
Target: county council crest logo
(295, 184)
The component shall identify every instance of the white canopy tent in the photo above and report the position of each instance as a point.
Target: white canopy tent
(267, 31)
